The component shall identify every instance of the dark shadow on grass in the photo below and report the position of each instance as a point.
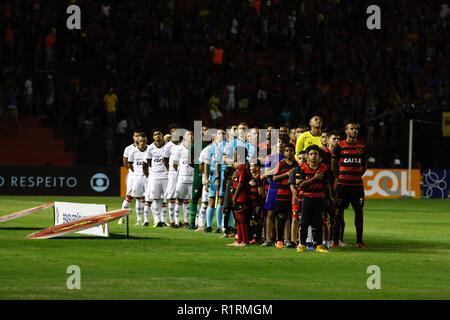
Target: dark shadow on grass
(22, 228)
(112, 236)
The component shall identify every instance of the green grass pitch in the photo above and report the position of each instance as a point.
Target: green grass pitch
(408, 239)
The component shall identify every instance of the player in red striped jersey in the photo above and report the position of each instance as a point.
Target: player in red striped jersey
(314, 180)
(329, 142)
(297, 198)
(257, 201)
(349, 164)
(283, 207)
(241, 196)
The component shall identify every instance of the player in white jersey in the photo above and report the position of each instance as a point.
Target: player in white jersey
(172, 146)
(136, 162)
(205, 178)
(158, 161)
(129, 180)
(182, 163)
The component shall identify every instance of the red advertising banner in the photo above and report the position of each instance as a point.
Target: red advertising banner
(25, 212)
(79, 225)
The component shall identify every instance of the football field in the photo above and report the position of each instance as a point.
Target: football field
(409, 240)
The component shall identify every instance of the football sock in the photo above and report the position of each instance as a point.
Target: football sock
(209, 216)
(171, 211)
(147, 210)
(177, 213)
(186, 212)
(219, 216)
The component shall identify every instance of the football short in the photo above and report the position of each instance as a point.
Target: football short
(129, 182)
(227, 199)
(349, 194)
(156, 189)
(183, 191)
(171, 187)
(212, 186)
(139, 184)
(271, 198)
(204, 195)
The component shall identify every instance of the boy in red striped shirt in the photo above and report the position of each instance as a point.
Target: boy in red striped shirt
(283, 206)
(349, 164)
(314, 181)
(241, 196)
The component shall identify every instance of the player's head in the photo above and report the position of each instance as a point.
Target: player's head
(137, 133)
(298, 132)
(315, 122)
(323, 137)
(255, 167)
(253, 135)
(281, 144)
(228, 172)
(167, 138)
(302, 156)
(292, 135)
(142, 142)
(242, 130)
(313, 154)
(351, 130)
(220, 135)
(289, 151)
(284, 131)
(188, 136)
(332, 139)
(204, 129)
(174, 137)
(269, 132)
(157, 136)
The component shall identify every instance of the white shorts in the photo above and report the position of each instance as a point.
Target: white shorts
(171, 187)
(156, 189)
(138, 187)
(129, 183)
(204, 194)
(184, 191)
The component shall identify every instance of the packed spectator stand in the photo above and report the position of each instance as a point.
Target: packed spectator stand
(264, 62)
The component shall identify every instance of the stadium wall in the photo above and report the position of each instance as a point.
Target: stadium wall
(76, 181)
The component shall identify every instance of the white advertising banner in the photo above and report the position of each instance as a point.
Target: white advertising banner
(69, 211)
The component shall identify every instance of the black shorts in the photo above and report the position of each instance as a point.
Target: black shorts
(283, 209)
(227, 199)
(312, 211)
(349, 194)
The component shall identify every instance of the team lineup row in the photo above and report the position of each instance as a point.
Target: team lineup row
(291, 195)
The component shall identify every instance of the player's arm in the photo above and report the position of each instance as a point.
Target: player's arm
(299, 146)
(125, 162)
(291, 181)
(149, 158)
(278, 177)
(327, 181)
(335, 160)
(166, 163)
(306, 182)
(228, 154)
(145, 168)
(239, 186)
(130, 162)
(175, 157)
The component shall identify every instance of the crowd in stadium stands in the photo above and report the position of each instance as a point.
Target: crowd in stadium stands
(145, 63)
